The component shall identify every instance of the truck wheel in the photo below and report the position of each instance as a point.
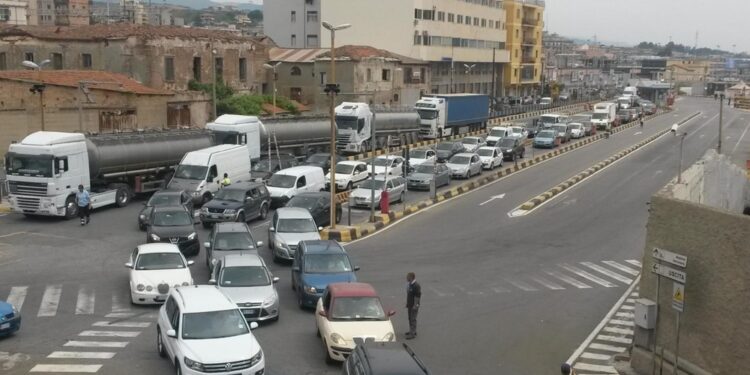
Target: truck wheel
(122, 197)
(71, 208)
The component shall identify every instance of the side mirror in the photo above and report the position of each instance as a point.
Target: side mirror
(391, 313)
(259, 244)
(129, 265)
(253, 325)
(206, 245)
(295, 269)
(272, 229)
(212, 282)
(172, 333)
(356, 268)
(275, 280)
(190, 262)
(323, 313)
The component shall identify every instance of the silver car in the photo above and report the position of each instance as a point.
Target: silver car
(465, 165)
(289, 226)
(423, 174)
(471, 144)
(248, 282)
(395, 185)
(491, 157)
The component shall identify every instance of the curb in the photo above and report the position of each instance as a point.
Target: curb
(355, 232)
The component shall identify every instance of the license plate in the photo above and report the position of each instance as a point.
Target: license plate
(5, 326)
(251, 312)
(214, 216)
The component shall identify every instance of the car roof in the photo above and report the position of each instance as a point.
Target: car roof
(391, 358)
(169, 192)
(157, 247)
(244, 185)
(293, 213)
(351, 162)
(239, 260)
(351, 290)
(231, 227)
(465, 154)
(202, 298)
(323, 247)
(388, 156)
(298, 170)
(472, 138)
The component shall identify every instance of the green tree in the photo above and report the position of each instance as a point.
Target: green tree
(256, 16)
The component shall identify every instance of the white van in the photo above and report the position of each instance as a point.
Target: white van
(287, 183)
(630, 91)
(200, 172)
(497, 133)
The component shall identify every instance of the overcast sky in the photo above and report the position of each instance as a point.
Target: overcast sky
(718, 22)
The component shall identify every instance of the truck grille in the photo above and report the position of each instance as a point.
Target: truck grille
(37, 189)
(28, 203)
(216, 210)
(342, 140)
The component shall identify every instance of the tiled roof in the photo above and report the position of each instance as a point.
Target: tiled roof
(119, 31)
(295, 55)
(70, 78)
(358, 53)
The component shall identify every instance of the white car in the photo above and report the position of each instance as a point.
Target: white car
(390, 163)
(491, 157)
(347, 311)
(471, 144)
(519, 131)
(348, 174)
(420, 156)
(156, 268)
(546, 101)
(577, 130)
(201, 330)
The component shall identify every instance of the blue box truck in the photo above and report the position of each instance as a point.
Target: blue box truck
(450, 114)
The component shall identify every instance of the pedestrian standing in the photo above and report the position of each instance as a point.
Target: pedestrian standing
(226, 181)
(729, 102)
(565, 369)
(413, 297)
(83, 201)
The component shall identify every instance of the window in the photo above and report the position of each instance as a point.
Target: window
(369, 75)
(476, 21)
(3, 61)
(312, 40)
(4, 14)
(57, 61)
(484, 22)
(296, 71)
(516, 53)
(516, 33)
(386, 76)
(312, 16)
(322, 78)
(169, 68)
(425, 38)
(243, 69)
(468, 20)
(515, 72)
(428, 15)
(418, 14)
(294, 16)
(197, 68)
(441, 16)
(460, 19)
(417, 38)
(451, 17)
(294, 40)
(219, 68)
(86, 60)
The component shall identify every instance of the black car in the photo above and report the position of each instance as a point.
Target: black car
(319, 205)
(372, 357)
(265, 167)
(322, 160)
(512, 148)
(237, 202)
(173, 224)
(164, 198)
(445, 150)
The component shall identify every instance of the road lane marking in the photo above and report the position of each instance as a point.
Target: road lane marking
(523, 286)
(122, 324)
(82, 355)
(118, 306)
(617, 322)
(499, 196)
(625, 315)
(499, 289)
(621, 331)
(619, 340)
(621, 267)
(634, 262)
(548, 284)
(17, 296)
(628, 307)
(734, 149)
(85, 303)
(50, 301)
(120, 315)
(66, 368)
(12, 234)
(595, 368)
(96, 344)
(109, 333)
(588, 276)
(606, 272)
(609, 348)
(598, 357)
(568, 279)
(439, 293)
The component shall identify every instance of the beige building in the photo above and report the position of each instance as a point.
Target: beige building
(457, 37)
(524, 41)
(13, 12)
(679, 70)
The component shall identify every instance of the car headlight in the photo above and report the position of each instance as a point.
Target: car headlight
(388, 337)
(280, 244)
(185, 283)
(142, 217)
(140, 287)
(270, 300)
(155, 237)
(336, 338)
(197, 366)
(310, 290)
(230, 211)
(192, 236)
(196, 193)
(256, 358)
(149, 288)
(204, 210)
(15, 311)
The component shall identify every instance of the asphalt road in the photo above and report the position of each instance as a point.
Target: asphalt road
(501, 294)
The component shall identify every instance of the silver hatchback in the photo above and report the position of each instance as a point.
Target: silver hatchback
(248, 282)
(465, 165)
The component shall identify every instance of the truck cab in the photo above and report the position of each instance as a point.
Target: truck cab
(431, 124)
(354, 123)
(238, 130)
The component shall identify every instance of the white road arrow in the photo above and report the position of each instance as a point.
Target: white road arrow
(501, 196)
(636, 133)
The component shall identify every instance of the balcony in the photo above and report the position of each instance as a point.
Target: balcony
(530, 22)
(529, 41)
(528, 60)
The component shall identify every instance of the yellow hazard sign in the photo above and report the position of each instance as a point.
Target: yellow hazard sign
(678, 297)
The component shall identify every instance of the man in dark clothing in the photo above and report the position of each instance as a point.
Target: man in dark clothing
(413, 296)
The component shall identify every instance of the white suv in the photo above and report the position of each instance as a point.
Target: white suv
(201, 330)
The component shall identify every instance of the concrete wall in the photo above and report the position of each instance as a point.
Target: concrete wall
(277, 22)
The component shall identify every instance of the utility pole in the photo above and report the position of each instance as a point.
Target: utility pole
(679, 171)
(721, 120)
(494, 83)
(213, 87)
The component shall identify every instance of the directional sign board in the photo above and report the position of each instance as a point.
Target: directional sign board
(666, 271)
(678, 297)
(670, 257)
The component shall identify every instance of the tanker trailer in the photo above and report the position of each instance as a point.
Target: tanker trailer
(45, 168)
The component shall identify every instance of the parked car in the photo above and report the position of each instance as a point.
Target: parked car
(420, 156)
(348, 173)
(512, 148)
(372, 357)
(288, 227)
(648, 107)
(546, 138)
(238, 202)
(519, 131)
(201, 330)
(319, 206)
(155, 269)
(173, 224)
(421, 177)
(349, 310)
(164, 198)
(323, 160)
(546, 101)
(471, 144)
(229, 238)
(395, 185)
(576, 130)
(287, 183)
(248, 282)
(585, 120)
(391, 164)
(445, 150)
(317, 264)
(563, 132)
(265, 167)
(11, 319)
(490, 157)
(465, 165)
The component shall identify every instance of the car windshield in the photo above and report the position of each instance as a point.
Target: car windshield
(425, 168)
(507, 142)
(164, 200)
(546, 134)
(444, 146)
(344, 168)
(497, 133)
(600, 116)
(548, 119)
(159, 261)
(327, 263)
(244, 276)
(485, 152)
(460, 159)
(559, 128)
(296, 226)
(234, 195)
(191, 172)
(357, 308)
(261, 166)
(29, 165)
(418, 154)
(302, 202)
(172, 219)
(318, 158)
(470, 141)
(516, 130)
(282, 181)
(382, 162)
(233, 241)
(213, 325)
(574, 126)
(372, 185)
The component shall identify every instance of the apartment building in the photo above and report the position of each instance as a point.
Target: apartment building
(13, 12)
(524, 42)
(458, 38)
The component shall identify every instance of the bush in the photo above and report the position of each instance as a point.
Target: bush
(252, 105)
(222, 91)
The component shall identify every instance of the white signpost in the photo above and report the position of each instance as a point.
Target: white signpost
(666, 271)
(670, 257)
(678, 293)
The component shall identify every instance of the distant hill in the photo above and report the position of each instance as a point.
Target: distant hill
(202, 4)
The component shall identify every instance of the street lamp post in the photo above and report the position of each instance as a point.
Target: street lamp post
(679, 171)
(332, 89)
(721, 120)
(39, 87)
(468, 72)
(214, 52)
(275, 76)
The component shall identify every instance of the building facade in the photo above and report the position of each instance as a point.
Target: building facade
(524, 42)
(72, 12)
(13, 12)
(458, 38)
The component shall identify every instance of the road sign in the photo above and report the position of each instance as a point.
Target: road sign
(670, 257)
(660, 269)
(678, 297)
